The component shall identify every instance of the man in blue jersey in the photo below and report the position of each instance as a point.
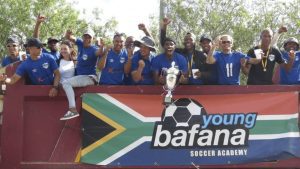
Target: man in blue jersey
(40, 68)
(163, 61)
(141, 62)
(85, 68)
(52, 41)
(291, 50)
(13, 48)
(262, 73)
(229, 63)
(115, 62)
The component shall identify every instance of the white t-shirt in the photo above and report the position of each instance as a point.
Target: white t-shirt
(66, 69)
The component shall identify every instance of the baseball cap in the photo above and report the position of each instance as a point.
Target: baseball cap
(291, 39)
(147, 41)
(51, 39)
(12, 39)
(34, 42)
(205, 37)
(89, 32)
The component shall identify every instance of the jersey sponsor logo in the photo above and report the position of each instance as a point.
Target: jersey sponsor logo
(34, 70)
(111, 60)
(85, 57)
(45, 65)
(122, 59)
(271, 57)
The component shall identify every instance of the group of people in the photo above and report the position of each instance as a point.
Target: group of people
(120, 63)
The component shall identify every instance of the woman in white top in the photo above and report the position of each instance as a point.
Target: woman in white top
(66, 61)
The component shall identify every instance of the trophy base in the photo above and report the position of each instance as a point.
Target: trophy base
(168, 100)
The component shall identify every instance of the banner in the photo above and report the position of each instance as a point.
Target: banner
(138, 130)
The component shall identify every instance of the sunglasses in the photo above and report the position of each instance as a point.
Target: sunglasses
(224, 42)
(11, 46)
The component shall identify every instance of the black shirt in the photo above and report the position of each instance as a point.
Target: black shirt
(257, 75)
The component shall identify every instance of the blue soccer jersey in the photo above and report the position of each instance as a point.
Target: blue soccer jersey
(147, 74)
(293, 75)
(86, 59)
(229, 66)
(113, 72)
(40, 71)
(55, 55)
(8, 60)
(161, 63)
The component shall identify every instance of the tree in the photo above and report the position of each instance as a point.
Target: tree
(18, 17)
(242, 19)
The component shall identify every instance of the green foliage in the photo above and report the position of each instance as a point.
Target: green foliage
(242, 19)
(19, 16)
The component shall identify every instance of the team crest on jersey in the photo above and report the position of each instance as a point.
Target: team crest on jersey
(111, 60)
(271, 57)
(46, 65)
(296, 58)
(122, 59)
(85, 57)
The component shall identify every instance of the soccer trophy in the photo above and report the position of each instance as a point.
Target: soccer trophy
(171, 79)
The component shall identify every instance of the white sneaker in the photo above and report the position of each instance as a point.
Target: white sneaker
(69, 115)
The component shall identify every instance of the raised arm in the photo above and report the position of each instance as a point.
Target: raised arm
(210, 58)
(143, 28)
(277, 35)
(163, 30)
(69, 35)
(39, 20)
(102, 61)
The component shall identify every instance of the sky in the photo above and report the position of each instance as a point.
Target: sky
(128, 13)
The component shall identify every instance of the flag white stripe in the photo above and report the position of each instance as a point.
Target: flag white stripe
(273, 136)
(277, 117)
(125, 150)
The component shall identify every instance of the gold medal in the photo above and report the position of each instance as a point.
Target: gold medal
(265, 69)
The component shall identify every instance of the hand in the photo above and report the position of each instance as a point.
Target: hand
(166, 21)
(142, 26)
(41, 18)
(106, 50)
(69, 33)
(53, 92)
(161, 79)
(292, 54)
(182, 79)
(3, 77)
(141, 64)
(282, 29)
(130, 52)
(198, 74)
(216, 42)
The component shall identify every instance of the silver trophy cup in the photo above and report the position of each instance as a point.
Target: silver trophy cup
(171, 79)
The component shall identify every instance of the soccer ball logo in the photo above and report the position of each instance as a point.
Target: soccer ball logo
(183, 112)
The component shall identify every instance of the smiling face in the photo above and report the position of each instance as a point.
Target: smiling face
(118, 43)
(65, 51)
(205, 45)
(87, 40)
(53, 45)
(266, 37)
(13, 49)
(226, 43)
(169, 47)
(145, 50)
(188, 42)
